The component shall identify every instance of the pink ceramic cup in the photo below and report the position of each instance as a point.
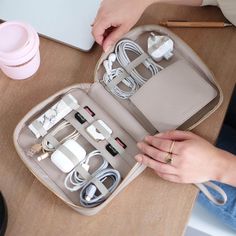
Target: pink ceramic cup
(19, 50)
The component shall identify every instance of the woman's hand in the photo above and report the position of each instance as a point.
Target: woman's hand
(194, 160)
(115, 18)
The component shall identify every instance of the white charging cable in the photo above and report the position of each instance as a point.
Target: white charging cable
(74, 181)
(48, 147)
(129, 82)
(135, 79)
(112, 73)
(128, 46)
(90, 196)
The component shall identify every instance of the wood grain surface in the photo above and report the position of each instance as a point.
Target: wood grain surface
(149, 205)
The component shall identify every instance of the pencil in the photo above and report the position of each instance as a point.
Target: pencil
(189, 24)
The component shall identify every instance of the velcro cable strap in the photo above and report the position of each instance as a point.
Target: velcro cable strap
(203, 188)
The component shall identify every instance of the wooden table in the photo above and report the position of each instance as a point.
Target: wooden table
(149, 206)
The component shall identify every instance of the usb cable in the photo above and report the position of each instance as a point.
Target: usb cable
(135, 80)
(90, 196)
(74, 182)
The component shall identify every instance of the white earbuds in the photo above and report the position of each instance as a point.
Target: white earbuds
(109, 62)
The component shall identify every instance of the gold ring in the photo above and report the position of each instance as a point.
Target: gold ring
(168, 158)
(172, 147)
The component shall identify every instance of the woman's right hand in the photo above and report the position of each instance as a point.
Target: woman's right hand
(115, 18)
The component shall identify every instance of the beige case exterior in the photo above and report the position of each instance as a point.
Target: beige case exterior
(184, 52)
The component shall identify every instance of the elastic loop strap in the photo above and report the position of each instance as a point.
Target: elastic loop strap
(39, 127)
(52, 140)
(74, 159)
(213, 186)
(101, 187)
(139, 60)
(70, 101)
(113, 83)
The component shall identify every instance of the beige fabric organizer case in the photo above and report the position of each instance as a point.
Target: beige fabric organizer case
(180, 96)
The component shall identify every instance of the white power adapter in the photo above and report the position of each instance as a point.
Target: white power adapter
(95, 134)
(160, 47)
(65, 162)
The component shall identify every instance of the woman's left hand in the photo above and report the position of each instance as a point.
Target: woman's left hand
(193, 159)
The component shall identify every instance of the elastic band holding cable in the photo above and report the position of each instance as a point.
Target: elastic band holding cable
(77, 178)
(97, 198)
(120, 164)
(136, 62)
(70, 101)
(39, 127)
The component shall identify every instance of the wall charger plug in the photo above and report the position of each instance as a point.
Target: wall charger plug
(160, 47)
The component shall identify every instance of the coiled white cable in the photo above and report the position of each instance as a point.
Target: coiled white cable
(74, 181)
(135, 80)
(48, 147)
(121, 51)
(129, 82)
(88, 194)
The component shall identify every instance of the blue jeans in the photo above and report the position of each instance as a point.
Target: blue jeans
(226, 141)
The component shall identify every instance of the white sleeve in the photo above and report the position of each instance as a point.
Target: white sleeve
(228, 7)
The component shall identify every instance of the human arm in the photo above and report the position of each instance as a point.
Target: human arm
(121, 15)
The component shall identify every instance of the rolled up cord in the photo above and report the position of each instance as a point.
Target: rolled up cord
(88, 197)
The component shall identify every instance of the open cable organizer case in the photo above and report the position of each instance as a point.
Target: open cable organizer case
(81, 142)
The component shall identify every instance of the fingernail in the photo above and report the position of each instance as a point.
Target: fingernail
(138, 158)
(159, 134)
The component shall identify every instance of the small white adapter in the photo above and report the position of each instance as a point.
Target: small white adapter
(68, 155)
(95, 134)
(160, 47)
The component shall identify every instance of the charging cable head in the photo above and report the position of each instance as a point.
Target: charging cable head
(90, 192)
(160, 47)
